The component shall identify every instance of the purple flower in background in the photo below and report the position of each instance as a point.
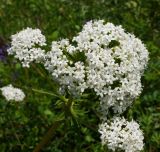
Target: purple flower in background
(3, 49)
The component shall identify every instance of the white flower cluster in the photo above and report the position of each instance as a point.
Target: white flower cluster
(121, 134)
(11, 93)
(103, 58)
(25, 46)
(112, 65)
(110, 62)
(69, 74)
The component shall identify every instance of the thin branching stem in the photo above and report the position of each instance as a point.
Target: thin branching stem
(48, 136)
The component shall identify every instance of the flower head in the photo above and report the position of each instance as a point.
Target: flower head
(26, 44)
(121, 134)
(104, 58)
(11, 93)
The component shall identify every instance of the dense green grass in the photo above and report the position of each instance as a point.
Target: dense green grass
(22, 126)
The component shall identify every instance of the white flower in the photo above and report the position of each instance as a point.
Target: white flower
(110, 62)
(121, 134)
(102, 57)
(11, 93)
(26, 44)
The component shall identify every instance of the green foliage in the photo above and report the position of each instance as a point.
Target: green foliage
(23, 125)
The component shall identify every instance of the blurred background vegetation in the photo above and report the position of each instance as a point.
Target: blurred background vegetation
(23, 125)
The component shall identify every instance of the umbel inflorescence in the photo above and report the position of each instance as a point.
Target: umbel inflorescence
(111, 63)
(26, 46)
(118, 133)
(102, 57)
(12, 94)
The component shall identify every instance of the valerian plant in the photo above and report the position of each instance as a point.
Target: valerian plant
(102, 60)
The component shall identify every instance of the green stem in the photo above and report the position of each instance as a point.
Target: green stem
(38, 71)
(47, 137)
(68, 114)
(45, 92)
(51, 94)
